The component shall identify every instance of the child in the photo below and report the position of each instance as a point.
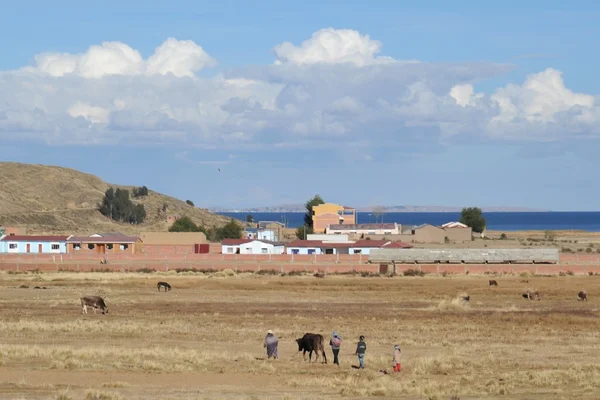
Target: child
(361, 347)
(396, 361)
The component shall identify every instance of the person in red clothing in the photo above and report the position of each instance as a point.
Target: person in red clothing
(396, 361)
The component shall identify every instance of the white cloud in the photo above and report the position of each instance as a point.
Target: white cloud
(179, 57)
(96, 115)
(464, 95)
(332, 46)
(331, 90)
(539, 99)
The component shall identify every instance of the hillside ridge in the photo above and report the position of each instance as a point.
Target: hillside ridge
(49, 199)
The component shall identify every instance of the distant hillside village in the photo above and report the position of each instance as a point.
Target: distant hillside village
(334, 231)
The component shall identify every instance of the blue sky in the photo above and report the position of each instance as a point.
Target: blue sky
(383, 102)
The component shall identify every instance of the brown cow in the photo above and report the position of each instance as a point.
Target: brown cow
(493, 282)
(582, 296)
(94, 302)
(531, 294)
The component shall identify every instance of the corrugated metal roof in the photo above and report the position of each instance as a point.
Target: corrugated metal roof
(398, 245)
(370, 243)
(238, 242)
(104, 239)
(25, 238)
(342, 227)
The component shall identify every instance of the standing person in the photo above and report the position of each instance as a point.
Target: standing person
(271, 343)
(396, 360)
(335, 343)
(361, 347)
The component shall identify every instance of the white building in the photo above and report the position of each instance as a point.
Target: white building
(364, 229)
(260, 234)
(304, 247)
(250, 246)
(328, 238)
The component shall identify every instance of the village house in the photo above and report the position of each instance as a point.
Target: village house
(260, 234)
(357, 230)
(251, 246)
(332, 214)
(104, 243)
(24, 244)
(277, 227)
(9, 231)
(332, 247)
(365, 246)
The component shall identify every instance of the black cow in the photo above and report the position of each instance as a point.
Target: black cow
(312, 342)
(493, 282)
(582, 296)
(164, 285)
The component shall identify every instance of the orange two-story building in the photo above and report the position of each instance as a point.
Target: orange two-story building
(332, 214)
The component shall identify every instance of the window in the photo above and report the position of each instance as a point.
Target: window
(109, 246)
(249, 250)
(371, 233)
(295, 251)
(230, 250)
(311, 251)
(12, 246)
(357, 251)
(387, 232)
(55, 246)
(264, 250)
(124, 246)
(91, 246)
(76, 246)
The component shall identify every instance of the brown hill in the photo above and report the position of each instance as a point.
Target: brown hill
(48, 199)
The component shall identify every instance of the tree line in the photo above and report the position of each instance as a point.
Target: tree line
(231, 230)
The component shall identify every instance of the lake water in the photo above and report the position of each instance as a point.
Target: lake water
(496, 221)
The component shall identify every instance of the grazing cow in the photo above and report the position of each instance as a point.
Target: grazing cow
(465, 298)
(582, 296)
(312, 342)
(319, 275)
(164, 285)
(94, 302)
(530, 295)
(493, 282)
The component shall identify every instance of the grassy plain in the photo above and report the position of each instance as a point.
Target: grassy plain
(203, 340)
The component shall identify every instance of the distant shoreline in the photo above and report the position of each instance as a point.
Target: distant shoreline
(498, 221)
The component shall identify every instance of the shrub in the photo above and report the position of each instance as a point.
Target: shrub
(503, 236)
(413, 272)
(189, 203)
(267, 272)
(588, 250)
(145, 270)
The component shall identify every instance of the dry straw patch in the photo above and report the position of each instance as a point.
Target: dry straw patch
(496, 345)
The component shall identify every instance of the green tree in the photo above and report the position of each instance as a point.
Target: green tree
(301, 232)
(185, 224)
(189, 203)
(473, 217)
(231, 230)
(249, 218)
(308, 217)
(117, 205)
(140, 191)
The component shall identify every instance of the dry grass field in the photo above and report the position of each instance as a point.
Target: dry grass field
(203, 339)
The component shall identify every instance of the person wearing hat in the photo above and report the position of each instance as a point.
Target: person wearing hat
(361, 348)
(271, 343)
(335, 343)
(396, 360)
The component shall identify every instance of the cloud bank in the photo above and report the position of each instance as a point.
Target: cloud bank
(335, 88)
